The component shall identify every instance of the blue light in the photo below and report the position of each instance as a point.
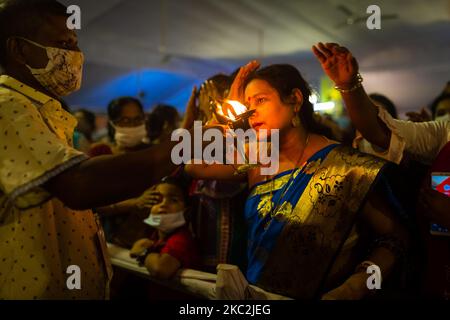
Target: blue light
(150, 86)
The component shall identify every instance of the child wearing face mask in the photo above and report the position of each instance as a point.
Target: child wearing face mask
(171, 246)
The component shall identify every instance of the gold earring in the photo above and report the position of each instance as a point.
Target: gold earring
(296, 121)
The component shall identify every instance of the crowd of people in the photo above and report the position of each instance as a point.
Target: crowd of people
(342, 200)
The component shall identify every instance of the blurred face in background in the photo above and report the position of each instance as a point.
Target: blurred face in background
(131, 116)
(443, 110)
(84, 126)
(170, 126)
(130, 128)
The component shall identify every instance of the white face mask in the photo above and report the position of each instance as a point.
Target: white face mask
(63, 73)
(129, 137)
(445, 117)
(166, 222)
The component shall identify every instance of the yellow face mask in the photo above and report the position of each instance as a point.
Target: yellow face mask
(63, 73)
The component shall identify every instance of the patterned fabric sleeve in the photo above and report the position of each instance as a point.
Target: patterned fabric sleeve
(422, 140)
(30, 153)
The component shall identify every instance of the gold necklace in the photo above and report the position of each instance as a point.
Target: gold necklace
(288, 184)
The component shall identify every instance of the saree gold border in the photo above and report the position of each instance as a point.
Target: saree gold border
(319, 223)
(277, 184)
(356, 169)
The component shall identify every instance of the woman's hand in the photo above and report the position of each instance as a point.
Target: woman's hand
(355, 288)
(237, 89)
(208, 91)
(436, 205)
(338, 63)
(140, 246)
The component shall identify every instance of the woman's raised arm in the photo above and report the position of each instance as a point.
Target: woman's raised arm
(342, 68)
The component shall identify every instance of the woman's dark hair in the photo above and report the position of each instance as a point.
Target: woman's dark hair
(115, 108)
(222, 83)
(435, 103)
(285, 78)
(160, 115)
(386, 103)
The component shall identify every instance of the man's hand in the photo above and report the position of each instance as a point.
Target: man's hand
(147, 200)
(237, 90)
(338, 63)
(436, 205)
(140, 246)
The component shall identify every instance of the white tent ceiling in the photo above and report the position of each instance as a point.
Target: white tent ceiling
(408, 59)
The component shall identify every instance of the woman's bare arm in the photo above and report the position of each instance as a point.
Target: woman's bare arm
(213, 172)
(342, 68)
(382, 221)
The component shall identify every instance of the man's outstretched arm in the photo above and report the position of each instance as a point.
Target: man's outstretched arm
(106, 180)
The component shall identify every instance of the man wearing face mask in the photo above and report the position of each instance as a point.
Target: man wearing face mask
(46, 186)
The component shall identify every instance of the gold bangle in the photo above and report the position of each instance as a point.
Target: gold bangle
(357, 85)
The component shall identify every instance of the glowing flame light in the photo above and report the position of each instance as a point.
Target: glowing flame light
(237, 107)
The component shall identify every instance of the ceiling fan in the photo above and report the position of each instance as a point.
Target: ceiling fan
(353, 18)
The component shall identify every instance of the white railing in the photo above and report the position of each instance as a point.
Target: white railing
(229, 283)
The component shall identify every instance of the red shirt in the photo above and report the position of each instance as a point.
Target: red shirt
(181, 245)
(99, 150)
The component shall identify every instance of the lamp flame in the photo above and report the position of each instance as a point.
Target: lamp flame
(231, 109)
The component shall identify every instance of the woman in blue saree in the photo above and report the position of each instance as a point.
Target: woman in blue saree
(310, 223)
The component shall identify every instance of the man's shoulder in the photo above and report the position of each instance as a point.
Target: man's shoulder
(446, 125)
(9, 95)
(15, 103)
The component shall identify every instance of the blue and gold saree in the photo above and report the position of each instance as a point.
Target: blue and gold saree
(302, 220)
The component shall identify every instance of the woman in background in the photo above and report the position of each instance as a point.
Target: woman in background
(161, 122)
(127, 132)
